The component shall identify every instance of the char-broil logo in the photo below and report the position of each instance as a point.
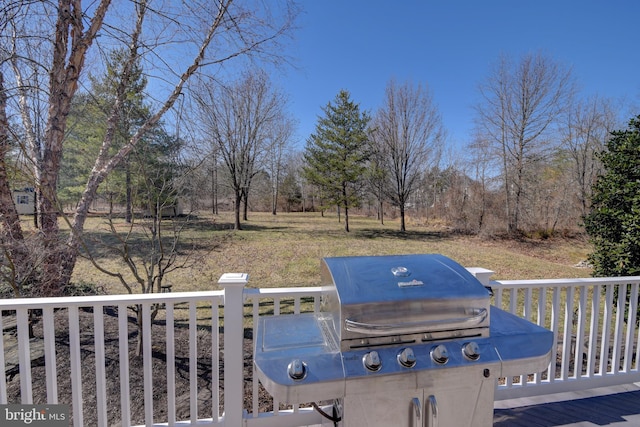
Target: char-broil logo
(411, 283)
(34, 415)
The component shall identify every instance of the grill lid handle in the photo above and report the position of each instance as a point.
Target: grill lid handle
(477, 317)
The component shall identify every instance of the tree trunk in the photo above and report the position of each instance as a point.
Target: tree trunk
(10, 220)
(517, 205)
(483, 205)
(507, 193)
(236, 210)
(346, 219)
(36, 196)
(139, 323)
(67, 63)
(214, 190)
(274, 201)
(128, 217)
(56, 268)
(244, 197)
(402, 222)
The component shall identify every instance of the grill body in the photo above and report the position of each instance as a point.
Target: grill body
(400, 340)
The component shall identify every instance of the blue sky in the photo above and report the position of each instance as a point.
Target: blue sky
(358, 45)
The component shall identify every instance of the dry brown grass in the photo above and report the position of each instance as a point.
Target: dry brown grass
(285, 250)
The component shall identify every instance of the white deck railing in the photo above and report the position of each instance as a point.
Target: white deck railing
(597, 345)
(65, 371)
(596, 333)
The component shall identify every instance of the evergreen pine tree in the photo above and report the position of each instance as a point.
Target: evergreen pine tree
(336, 154)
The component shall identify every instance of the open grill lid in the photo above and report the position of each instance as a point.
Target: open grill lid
(399, 295)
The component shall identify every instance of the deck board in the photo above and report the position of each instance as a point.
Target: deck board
(617, 406)
(620, 408)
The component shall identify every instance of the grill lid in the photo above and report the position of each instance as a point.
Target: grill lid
(375, 296)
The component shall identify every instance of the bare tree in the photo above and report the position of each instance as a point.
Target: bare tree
(377, 177)
(481, 161)
(150, 247)
(294, 187)
(43, 41)
(520, 104)
(587, 128)
(407, 135)
(243, 120)
(17, 265)
(276, 155)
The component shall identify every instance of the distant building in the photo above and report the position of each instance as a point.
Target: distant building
(25, 200)
(167, 211)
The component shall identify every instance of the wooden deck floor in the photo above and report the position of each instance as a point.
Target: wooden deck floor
(613, 407)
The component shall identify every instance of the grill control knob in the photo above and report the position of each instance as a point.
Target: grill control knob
(439, 354)
(297, 370)
(471, 350)
(372, 361)
(406, 358)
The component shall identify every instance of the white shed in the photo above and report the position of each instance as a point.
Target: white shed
(25, 200)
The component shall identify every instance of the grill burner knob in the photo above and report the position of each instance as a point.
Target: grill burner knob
(471, 350)
(372, 361)
(406, 358)
(439, 354)
(297, 370)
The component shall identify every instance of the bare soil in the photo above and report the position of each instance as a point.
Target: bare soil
(136, 382)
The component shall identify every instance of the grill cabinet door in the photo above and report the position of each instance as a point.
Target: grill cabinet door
(460, 405)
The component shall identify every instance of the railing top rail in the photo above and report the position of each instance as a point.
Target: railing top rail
(585, 281)
(282, 292)
(93, 300)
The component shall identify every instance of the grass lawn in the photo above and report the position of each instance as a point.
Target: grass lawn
(285, 250)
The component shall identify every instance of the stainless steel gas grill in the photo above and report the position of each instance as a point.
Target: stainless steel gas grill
(407, 340)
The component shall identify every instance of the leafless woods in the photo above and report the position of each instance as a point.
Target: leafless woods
(46, 51)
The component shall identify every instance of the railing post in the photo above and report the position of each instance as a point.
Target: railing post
(233, 284)
(482, 274)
